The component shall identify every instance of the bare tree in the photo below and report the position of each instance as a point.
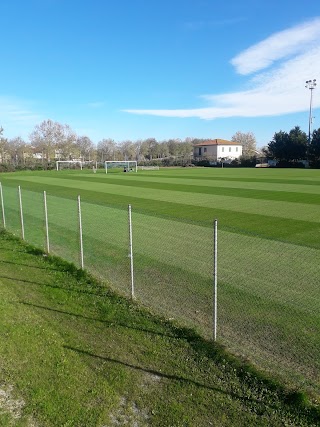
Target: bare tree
(53, 139)
(107, 149)
(85, 147)
(18, 151)
(248, 141)
(127, 149)
(3, 147)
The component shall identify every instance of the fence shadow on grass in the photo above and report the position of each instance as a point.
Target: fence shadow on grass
(47, 268)
(171, 377)
(94, 319)
(158, 373)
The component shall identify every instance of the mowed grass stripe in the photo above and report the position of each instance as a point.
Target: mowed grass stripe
(293, 177)
(280, 209)
(309, 181)
(296, 194)
(281, 176)
(215, 181)
(295, 231)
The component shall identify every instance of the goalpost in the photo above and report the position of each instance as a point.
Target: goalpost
(61, 163)
(124, 165)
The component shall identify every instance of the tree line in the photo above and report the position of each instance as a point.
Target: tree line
(51, 141)
(293, 147)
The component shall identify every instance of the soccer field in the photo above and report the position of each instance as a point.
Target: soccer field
(268, 249)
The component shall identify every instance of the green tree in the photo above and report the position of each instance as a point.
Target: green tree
(288, 147)
(278, 147)
(315, 146)
(298, 143)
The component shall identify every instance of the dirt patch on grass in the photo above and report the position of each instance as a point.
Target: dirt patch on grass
(12, 406)
(128, 414)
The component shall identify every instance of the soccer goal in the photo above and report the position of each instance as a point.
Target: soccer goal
(68, 164)
(121, 166)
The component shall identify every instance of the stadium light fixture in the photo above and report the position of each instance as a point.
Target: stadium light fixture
(310, 84)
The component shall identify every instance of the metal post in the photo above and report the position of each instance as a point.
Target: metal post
(80, 233)
(21, 213)
(46, 221)
(131, 252)
(310, 84)
(215, 277)
(2, 207)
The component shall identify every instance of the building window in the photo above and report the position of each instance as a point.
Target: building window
(229, 149)
(237, 149)
(199, 151)
(205, 149)
(222, 149)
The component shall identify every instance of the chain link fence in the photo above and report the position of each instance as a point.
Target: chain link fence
(268, 305)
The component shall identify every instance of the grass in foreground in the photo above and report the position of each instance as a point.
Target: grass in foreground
(79, 355)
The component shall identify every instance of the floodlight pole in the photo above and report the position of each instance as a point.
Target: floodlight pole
(310, 84)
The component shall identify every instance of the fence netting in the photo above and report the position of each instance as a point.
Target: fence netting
(269, 305)
(268, 291)
(173, 269)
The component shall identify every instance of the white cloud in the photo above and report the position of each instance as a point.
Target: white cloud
(279, 90)
(279, 45)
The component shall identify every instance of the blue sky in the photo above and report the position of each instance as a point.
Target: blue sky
(159, 68)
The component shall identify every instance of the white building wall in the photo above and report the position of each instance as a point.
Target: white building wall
(229, 151)
(218, 151)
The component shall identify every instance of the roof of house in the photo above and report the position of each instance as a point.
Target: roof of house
(216, 142)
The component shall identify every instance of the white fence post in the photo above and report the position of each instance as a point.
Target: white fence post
(131, 251)
(80, 233)
(2, 207)
(215, 278)
(21, 213)
(46, 221)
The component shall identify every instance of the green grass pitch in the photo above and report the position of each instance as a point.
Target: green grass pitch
(268, 261)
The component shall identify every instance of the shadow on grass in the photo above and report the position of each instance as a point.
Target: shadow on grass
(159, 374)
(295, 402)
(106, 322)
(76, 290)
(28, 265)
(16, 279)
(295, 399)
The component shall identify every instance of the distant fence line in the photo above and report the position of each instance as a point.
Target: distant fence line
(257, 296)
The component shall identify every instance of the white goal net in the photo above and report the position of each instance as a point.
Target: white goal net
(121, 166)
(68, 164)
